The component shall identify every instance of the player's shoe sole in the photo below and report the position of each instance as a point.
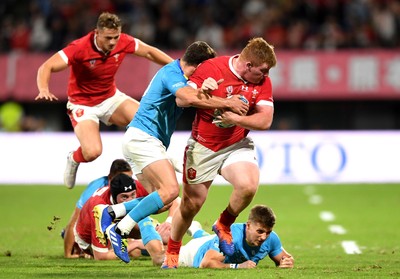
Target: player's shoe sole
(225, 238)
(102, 221)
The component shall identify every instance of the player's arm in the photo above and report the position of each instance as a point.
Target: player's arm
(152, 53)
(283, 259)
(69, 238)
(214, 259)
(201, 98)
(52, 65)
(258, 119)
(133, 244)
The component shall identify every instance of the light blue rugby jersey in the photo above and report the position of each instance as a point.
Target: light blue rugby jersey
(272, 246)
(158, 112)
(90, 189)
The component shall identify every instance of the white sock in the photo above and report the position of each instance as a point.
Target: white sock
(126, 225)
(119, 210)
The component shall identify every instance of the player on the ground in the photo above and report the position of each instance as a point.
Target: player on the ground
(71, 249)
(92, 93)
(253, 241)
(148, 136)
(219, 144)
(122, 189)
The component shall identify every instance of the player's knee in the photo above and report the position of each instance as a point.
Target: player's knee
(92, 154)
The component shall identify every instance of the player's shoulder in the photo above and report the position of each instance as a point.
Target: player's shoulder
(126, 38)
(83, 41)
(171, 70)
(219, 60)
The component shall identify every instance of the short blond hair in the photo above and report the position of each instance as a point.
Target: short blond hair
(109, 21)
(258, 51)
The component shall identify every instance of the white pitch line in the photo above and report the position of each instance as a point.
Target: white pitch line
(315, 199)
(337, 229)
(326, 216)
(350, 247)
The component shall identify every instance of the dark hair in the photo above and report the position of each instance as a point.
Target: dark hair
(198, 52)
(109, 21)
(262, 214)
(121, 183)
(118, 166)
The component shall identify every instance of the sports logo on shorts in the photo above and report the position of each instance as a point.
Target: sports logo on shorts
(79, 112)
(191, 173)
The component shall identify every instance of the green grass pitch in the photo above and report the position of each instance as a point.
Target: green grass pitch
(366, 214)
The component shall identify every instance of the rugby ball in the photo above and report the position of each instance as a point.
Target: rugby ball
(217, 112)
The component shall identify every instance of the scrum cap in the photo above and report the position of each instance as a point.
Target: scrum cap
(121, 183)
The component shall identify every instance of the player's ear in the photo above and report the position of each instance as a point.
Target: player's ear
(249, 65)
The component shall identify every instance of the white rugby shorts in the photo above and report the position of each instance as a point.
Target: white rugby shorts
(203, 164)
(101, 112)
(141, 149)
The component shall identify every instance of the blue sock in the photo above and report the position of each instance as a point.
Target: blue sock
(129, 205)
(147, 206)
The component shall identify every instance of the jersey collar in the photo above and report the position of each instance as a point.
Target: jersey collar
(233, 69)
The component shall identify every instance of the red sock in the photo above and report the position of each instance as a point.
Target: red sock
(226, 218)
(174, 246)
(78, 156)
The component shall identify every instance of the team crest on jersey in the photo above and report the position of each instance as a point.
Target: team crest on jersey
(191, 173)
(116, 57)
(92, 63)
(229, 91)
(254, 93)
(79, 112)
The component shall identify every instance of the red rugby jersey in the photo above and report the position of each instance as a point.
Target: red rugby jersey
(203, 130)
(92, 75)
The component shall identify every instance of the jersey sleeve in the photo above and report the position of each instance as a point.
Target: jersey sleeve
(275, 245)
(265, 98)
(204, 71)
(173, 80)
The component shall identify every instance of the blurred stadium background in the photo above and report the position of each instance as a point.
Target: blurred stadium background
(338, 67)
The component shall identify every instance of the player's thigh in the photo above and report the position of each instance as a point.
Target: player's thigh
(125, 112)
(140, 149)
(194, 196)
(88, 134)
(241, 167)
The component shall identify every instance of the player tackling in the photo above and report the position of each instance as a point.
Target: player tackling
(224, 148)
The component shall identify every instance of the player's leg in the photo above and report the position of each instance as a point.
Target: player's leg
(85, 121)
(241, 170)
(88, 134)
(193, 198)
(244, 176)
(125, 112)
(162, 175)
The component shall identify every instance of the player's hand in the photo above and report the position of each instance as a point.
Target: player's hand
(286, 262)
(237, 105)
(45, 94)
(164, 230)
(227, 118)
(210, 84)
(247, 264)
